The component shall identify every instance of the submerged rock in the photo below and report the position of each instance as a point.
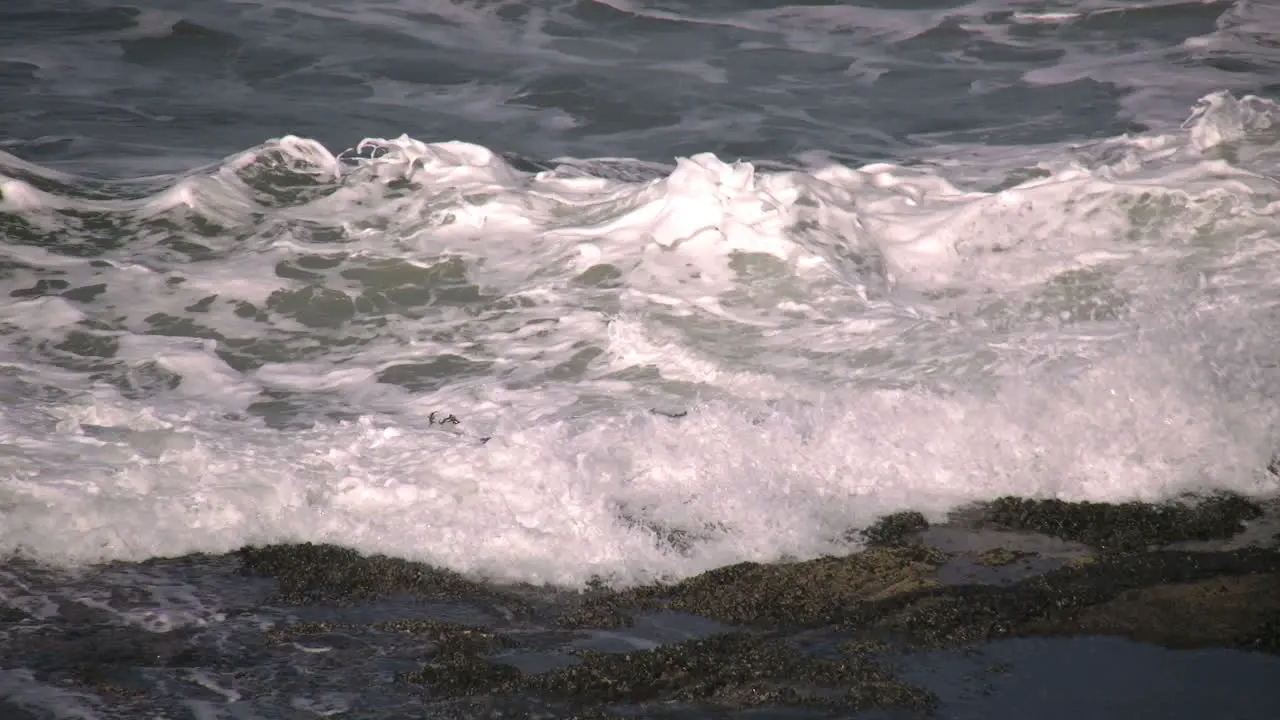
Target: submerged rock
(1174, 599)
(448, 638)
(731, 671)
(820, 630)
(1221, 611)
(1000, 557)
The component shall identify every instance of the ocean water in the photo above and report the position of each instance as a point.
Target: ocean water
(521, 289)
(527, 289)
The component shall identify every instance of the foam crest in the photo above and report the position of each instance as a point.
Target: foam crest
(423, 349)
(1220, 118)
(705, 210)
(706, 195)
(18, 196)
(561, 501)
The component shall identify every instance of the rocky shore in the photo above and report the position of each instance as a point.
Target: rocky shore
(306, 627)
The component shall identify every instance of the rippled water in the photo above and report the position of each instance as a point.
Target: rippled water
(527, 289)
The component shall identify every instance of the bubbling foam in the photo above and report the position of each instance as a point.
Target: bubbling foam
(420, 349)
(563, 501)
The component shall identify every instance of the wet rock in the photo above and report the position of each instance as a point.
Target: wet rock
(122, 683)
(455, 665)
(731, 671)
(830, 628)
(1216, 612)
(458, 667)
(1265, 638)
(895, 530)
(511, 708)
(804, 593)
(310, 574)
(448, 638)
(1164, 597)
(1124, 527)
(1000, 557)
(455, 674)
(1175, 599)
(601, 612)
(864, 647)
(109, 659)
(998, 566)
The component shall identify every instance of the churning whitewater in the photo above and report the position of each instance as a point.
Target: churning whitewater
(546, 372)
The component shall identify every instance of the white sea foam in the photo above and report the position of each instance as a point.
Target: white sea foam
(846, 342)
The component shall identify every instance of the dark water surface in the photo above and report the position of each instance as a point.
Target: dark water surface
(119, 87)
